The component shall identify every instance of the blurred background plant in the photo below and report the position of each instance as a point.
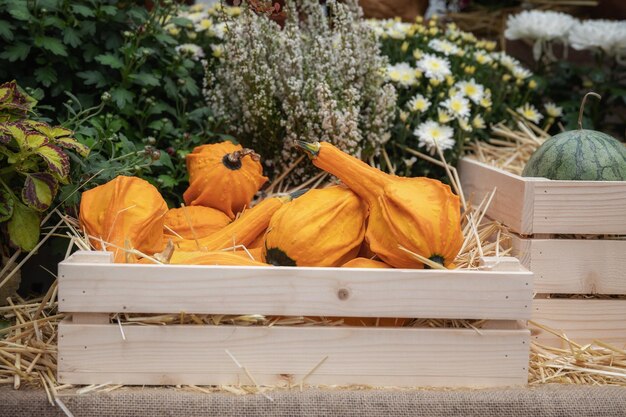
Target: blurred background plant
(92, 47)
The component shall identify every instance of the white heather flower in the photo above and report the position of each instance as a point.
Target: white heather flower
(193, 50)
(529, 112)
(402, 73)
(472, 90)
(419, 103)
(538, 25)
(608, 35)
(444, 46)
(553, 110)
(434, 67)
(479, 122)
(521, 73)
(430, 133)
(457, 106)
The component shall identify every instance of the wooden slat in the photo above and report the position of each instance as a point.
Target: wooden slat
(535, 205)
(574, 266)
(183, 354)
(512, 204)
(294, 291)
(581, 320)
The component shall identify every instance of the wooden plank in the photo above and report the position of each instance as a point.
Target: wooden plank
(512, 203)
(187, 354)
(574, 266)
(581, 320)
(538, 205)
(294, 291)
(90, 318)
(581, 207)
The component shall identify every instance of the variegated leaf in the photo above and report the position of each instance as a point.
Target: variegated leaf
(39, 190)
(73, 144)
(6, 206)
(23, 227)
(35, 140)
(53, 132)
(17, 131)
(58, 162)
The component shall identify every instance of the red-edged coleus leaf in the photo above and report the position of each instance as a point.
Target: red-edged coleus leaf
(73, 144)
(17, 132)
(51, 132)
(58, 162)
(6, 206)
(39, 190)
(60, 136)
(14, 103)
(23, 227)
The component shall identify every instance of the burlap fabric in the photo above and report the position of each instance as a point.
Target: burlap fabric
(544, 401)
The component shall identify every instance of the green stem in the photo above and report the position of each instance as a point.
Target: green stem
(7, 170)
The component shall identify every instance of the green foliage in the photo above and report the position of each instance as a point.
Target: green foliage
(35, 161)
(91, 47)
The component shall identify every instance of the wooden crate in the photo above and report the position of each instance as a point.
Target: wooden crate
(537, 209)
(93, 351)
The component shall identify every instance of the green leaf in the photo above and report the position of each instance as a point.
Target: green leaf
(181, 21)
(167, 181)
(110, 60)
(109, 10)
(93, 78)
(19, 10)
(6, 30)
(58, 162)
(73, 144)
(166, 161)
(71, 37)
(51, 44)
(23, 227)
(46, 75)
(35, 140)
(53, 21)
(87, 28)
(165, 39)
(18, 51)
(83, 10)
(122, 96)
(6, 206)
(145, 79)
(39, 190)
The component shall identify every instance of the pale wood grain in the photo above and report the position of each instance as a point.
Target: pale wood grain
(90, 318)
(298, 291)
(183, 354)
(581, 320)
(538, 205)
(574, 266)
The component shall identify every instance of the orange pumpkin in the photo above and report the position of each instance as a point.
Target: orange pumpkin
(421, 215)
(126, 212)
(223, 176)
(213, 258)
(193, 222)
(364, 263)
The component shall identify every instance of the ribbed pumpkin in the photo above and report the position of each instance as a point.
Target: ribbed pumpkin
(245, 229)
(193, 222)
(420, 214)
(323, 227)
(213, 258)
(584, 155)
(125, 212)
(365, 263)
(223, 176)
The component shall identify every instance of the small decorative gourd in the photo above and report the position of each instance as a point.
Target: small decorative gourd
(323, 227)
(213, 258)
(579, 155)
(223, 176)
(411, 220)
(193, 222)
(124, 213)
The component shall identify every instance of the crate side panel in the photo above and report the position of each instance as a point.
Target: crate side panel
(583, 207)
(295, 291)
(155, 355)
(581, 320)
(512, 203)
(574, 266)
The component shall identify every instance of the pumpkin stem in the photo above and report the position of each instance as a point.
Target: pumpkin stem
(435, 258)
(233, 160)
(582, 107)
(312, 149)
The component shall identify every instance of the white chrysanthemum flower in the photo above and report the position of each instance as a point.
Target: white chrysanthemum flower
(430, 133)
(521, 73)
(434, 67)
(218, 50)
(505, 60)
(553, 110)
(443, 116)
(419, 103)
(465, 125)
(402, 73)
(539, 25)
(218, 30)
(203, 25)
(607, 35)
(195, 17)
(193, 50)
(398, 30)
(443, 46)
(457, 106)
(472, 90)
(529, 112)
(479, 122)
(482, 57)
